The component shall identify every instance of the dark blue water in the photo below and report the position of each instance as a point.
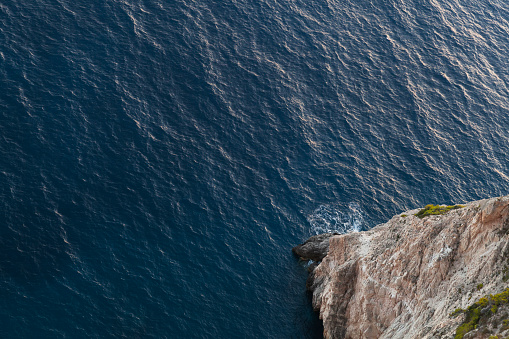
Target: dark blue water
(159, 159)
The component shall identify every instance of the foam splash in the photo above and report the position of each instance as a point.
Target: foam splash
(306, 264)
(335, 218)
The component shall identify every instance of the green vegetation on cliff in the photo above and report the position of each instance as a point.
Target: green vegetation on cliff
(436, 210)
(482, 309)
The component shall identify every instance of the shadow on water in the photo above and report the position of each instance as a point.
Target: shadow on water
(306, 320)
(314, 329)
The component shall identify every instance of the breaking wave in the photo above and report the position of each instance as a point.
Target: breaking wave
(339, 219)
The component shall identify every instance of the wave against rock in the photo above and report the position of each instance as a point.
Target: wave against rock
(404, 278)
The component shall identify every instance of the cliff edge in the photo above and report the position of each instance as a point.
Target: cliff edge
(421, 276)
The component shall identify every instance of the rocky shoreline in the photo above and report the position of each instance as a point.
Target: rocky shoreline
(415, 276)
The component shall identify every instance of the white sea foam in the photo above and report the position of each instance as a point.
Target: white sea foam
(336, 218)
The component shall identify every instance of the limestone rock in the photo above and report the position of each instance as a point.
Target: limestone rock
(315, 248)
(403, 278)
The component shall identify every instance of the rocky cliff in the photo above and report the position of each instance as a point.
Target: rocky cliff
(416, 276)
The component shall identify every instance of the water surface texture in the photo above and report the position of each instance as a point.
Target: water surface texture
(159, 158)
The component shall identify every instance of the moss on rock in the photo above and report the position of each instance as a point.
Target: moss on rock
(475, 312)
(436, 210)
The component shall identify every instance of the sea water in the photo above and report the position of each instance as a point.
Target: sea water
(160, 158)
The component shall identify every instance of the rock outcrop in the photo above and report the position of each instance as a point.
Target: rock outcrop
(404, 278)
(315, 248)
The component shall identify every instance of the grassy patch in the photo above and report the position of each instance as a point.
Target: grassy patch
(455, 313)
(470, 323)
(436, 210)
(473, 312)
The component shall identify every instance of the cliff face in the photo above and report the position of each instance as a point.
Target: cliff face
(402, 279)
